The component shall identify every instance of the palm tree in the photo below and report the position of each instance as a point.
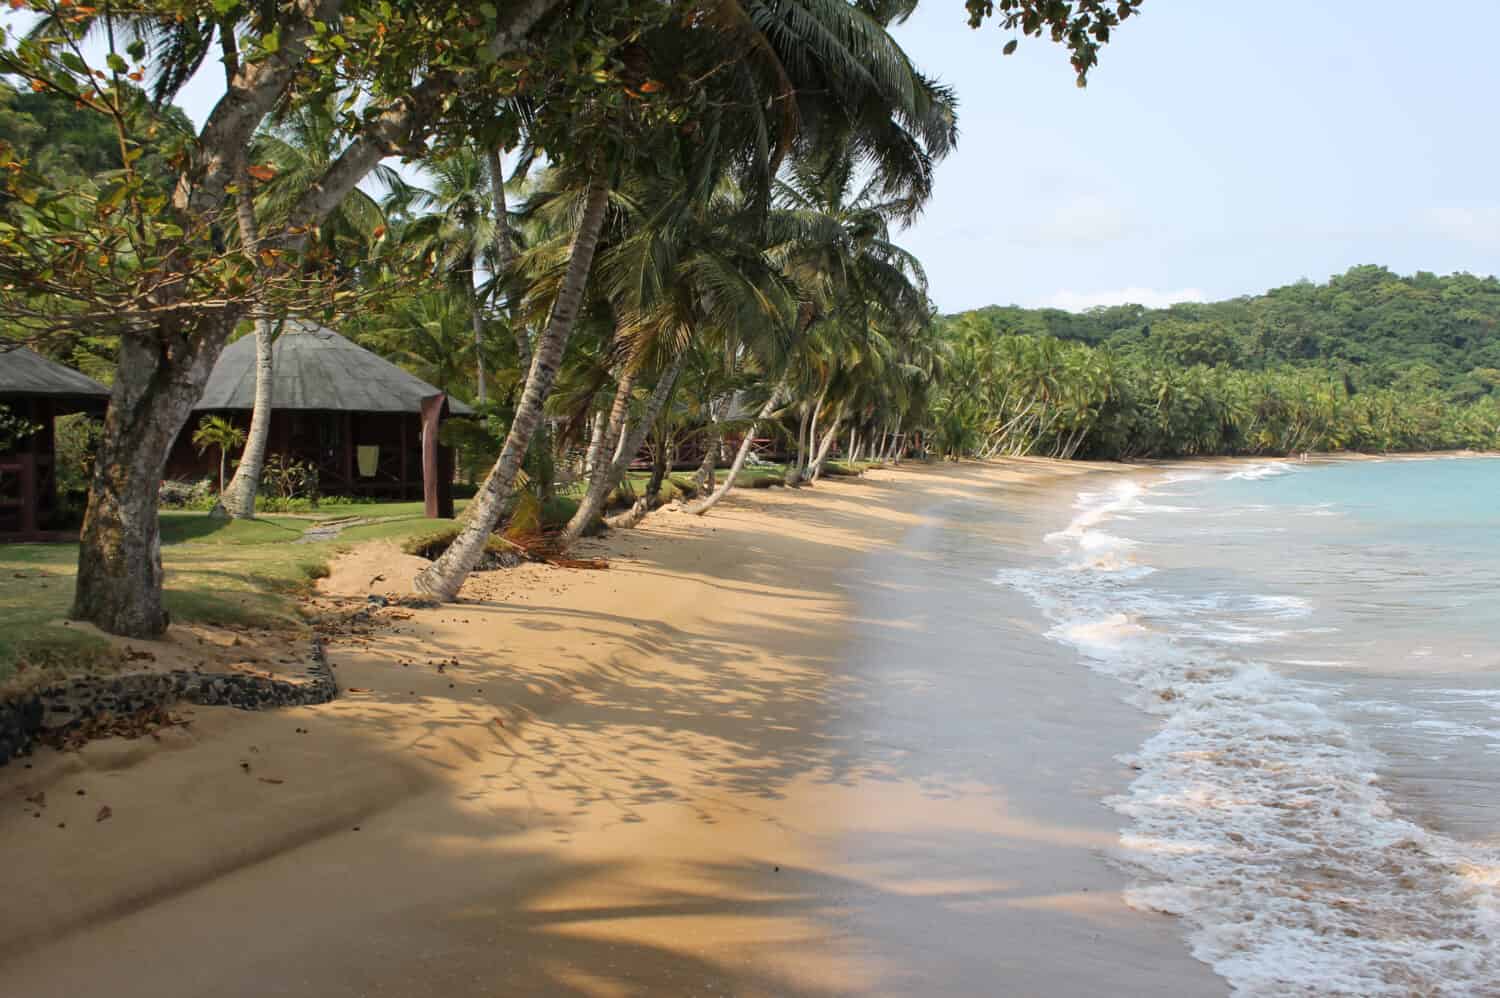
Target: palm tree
(762, 77)
(293, 151)
(428, 333)
(454, 228)
(678, 270)
(216, 431)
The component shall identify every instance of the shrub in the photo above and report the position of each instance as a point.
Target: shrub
(284, 478)
(186, 494)
(76, 439)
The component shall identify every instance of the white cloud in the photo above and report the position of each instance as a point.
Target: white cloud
(1079, 221)
(1079, 301)
(1478, 225)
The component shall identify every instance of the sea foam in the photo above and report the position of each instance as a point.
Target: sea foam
(1256, 814)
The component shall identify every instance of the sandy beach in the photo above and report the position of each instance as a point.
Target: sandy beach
(798, 747)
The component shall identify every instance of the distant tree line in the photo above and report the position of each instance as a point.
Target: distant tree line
(1369, 361)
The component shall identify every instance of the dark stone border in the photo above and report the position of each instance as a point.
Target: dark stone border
(80, 702)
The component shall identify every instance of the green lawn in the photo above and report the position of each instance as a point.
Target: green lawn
(219, 572)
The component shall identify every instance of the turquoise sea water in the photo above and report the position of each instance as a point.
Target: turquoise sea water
(1321, 646)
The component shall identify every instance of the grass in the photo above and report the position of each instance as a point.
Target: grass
(218, 572)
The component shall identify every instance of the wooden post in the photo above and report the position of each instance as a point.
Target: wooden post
(432, 411)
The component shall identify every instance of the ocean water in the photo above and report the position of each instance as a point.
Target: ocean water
(1320, 803)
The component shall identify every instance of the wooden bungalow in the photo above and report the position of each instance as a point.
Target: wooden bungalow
(37, 390)
(368, 427)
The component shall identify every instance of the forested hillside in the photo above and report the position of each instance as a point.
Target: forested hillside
(1369, 360)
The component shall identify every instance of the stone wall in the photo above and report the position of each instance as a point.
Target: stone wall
(51, 713)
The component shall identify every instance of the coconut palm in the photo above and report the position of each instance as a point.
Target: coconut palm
(452, 229)
(216, 431)
(292, 152)
(762, 78)
(677, 272)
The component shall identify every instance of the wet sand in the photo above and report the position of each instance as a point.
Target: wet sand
(801, 746)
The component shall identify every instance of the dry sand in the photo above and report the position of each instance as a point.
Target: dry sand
(795, 747)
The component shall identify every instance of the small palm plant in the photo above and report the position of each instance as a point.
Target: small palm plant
(216, 431)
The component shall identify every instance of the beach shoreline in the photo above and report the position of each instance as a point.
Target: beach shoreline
(757, 755)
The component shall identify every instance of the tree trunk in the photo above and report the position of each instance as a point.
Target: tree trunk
(699, 508)
(163, 366)
(505, 255)
(794, 467)
(445, 576)
(476, 319)
(238, 500)
(704, 476)
(597, 423)
(660, 461)
(159, 380)
(630, 443)
(816, 470)
(609, 436)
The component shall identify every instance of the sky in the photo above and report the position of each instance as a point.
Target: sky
(1220, 149)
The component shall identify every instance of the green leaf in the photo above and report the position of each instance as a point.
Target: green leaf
(1010, 46)
(117, 62)
(74, 63)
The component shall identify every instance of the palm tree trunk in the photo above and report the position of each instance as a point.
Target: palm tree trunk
(445, 576)
(794, 466)
(704, 477)
(609, 436)
(609, 432)
(476, 319)
(630, 444)
(698, 509)
(238, 501)
(597, 423)
(816, 470)
(804, 473)
(505, 254)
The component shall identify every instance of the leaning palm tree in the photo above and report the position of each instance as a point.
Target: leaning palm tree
(678, 271)
(760, 78)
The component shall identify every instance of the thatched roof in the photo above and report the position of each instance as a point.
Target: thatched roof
(23, 372)
(317, 369)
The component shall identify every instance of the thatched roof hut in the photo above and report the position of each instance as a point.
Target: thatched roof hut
(355, 417)
(317, 370)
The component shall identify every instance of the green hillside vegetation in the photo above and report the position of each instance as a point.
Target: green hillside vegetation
(1369, 361)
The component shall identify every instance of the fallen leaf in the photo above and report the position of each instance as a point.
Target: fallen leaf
(104, 813)
(270, 779)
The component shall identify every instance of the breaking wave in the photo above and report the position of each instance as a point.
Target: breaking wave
(1256, 814)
